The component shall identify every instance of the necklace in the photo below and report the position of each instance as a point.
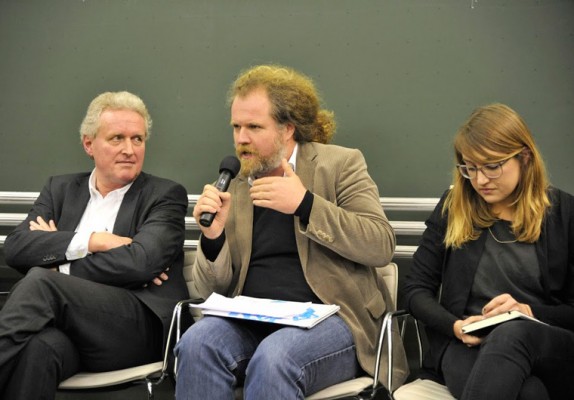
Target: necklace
(501, 241)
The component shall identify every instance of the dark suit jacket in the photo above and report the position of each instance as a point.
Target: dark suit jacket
(348, 235)
(152, 213)
(434, 266)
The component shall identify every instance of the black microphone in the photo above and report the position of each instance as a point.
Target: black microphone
(228, 168)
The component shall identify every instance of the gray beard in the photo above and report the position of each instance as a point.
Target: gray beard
(267, 164)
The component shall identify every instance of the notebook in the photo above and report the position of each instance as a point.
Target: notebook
(483, 327)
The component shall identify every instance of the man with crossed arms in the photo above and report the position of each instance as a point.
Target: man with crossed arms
(94, 247)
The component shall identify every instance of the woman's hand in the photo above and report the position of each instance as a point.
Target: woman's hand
(504, 303)
(469, 340)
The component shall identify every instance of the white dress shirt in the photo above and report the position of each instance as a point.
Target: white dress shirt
(99, 216)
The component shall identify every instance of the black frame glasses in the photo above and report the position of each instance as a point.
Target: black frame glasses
(491, 171)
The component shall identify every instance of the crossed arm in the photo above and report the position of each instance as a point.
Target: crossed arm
(149, 235)
(99, 241)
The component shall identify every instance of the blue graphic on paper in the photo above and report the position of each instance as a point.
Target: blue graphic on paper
(308, 314)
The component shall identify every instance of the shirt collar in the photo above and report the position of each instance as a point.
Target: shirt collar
(94, 192)
(293, 159)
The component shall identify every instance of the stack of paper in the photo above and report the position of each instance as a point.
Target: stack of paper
(305, 315)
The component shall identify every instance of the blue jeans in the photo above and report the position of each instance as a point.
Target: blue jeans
(215, 355)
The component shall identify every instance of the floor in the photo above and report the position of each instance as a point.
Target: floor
(164, 391)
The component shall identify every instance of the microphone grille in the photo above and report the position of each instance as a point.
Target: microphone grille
(231, 164)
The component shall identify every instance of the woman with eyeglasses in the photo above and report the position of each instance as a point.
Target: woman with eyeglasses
(500, 239)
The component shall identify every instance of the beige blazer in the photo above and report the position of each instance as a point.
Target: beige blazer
(348, 235)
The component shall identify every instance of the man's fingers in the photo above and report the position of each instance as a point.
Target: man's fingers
(287, 168)
(41, 225)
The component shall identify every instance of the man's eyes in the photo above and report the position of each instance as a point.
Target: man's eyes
(251, 127)
(137, 140)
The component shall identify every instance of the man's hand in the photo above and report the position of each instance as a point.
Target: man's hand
(41, 225)
(160, 278)
(213, 201)
(283, 194)
(104, 241)
(503, 303)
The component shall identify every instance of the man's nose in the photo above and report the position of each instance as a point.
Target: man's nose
(241, 135)
(128, 147)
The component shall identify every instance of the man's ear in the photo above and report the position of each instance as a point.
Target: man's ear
(289, 131)
(87, 144)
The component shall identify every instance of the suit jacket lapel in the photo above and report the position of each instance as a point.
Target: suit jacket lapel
(74, 204)
(542, 255)
(243, 230)
(306, 172)
(468, 259)
(124, 225)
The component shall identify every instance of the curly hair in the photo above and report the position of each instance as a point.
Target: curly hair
(294, 99)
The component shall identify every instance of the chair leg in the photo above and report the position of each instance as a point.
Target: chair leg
(149, 385)
(151, 382)
(379, 393)
(172, 379)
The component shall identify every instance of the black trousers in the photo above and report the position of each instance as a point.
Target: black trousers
(54, 325)
(517, 360)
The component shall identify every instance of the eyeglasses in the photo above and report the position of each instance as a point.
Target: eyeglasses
(491, 171)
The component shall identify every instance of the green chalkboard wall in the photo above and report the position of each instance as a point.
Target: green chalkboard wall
(401, 76)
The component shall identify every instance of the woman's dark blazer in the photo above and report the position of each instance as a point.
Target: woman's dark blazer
(438, 285)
